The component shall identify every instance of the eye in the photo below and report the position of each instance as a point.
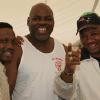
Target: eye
(14, 42)
(4, 41)
(49, 18)
(95, 33)
(37, 18)
(82, 35)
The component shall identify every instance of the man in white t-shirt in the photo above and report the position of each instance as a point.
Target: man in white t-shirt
(39, 60)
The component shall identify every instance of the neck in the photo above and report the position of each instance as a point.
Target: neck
(43, 46)
(96, 56)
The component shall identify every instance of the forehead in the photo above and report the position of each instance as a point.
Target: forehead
(41, 10)
(6, 33)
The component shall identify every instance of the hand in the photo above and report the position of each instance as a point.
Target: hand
(73, 55)
(19, 40)
(18, 49)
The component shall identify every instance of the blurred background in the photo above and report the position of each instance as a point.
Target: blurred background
(66, 13)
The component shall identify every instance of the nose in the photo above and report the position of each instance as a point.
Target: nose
(42, 22)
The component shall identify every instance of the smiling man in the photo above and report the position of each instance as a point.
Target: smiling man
(42, 58)
(89, 30)
(7, 42)
(86, 78)
(88, 75)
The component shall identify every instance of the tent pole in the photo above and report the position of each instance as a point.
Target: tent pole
(95, 5)
(46, 1)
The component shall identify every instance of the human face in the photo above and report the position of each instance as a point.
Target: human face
(41, 23)
(7, 42)
(90, 38)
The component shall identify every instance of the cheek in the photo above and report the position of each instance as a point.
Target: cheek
(97, 38)
(52, 25)
(83, 40)
(50, 28)
(1, 52)
(1, 47)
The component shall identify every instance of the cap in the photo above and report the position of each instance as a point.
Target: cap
(88, 19)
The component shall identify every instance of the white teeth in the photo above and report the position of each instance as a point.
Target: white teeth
(93, 45)
(42, 29)
(7, 53)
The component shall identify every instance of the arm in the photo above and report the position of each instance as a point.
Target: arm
(72, 59)
(64, 81)
(63, 89)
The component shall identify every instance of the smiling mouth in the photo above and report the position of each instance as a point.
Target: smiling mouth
(92, 46)
(42, 30)
(8, 53)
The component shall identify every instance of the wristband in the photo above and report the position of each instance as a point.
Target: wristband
(68, 73)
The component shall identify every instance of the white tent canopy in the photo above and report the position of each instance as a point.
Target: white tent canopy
(66, 13)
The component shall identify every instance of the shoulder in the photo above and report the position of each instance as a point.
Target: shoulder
(89, 62)
(58, 42)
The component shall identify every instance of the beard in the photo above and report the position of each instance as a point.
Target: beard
(40, 38)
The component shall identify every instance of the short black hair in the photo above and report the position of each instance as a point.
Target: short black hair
(5, 25)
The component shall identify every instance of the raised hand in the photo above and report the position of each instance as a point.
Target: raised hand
(19, 40)
(73, 55)
(72, 60)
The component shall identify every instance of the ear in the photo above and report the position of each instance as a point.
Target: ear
(28, 20)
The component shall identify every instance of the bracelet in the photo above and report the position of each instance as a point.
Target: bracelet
(68, 73)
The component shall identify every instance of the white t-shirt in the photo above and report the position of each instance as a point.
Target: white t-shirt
(37, 72)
